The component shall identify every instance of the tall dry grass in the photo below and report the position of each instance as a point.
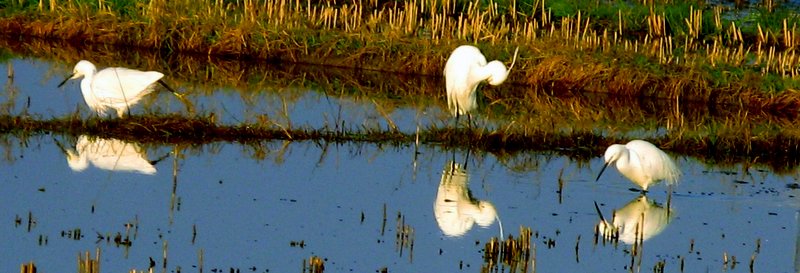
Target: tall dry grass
(416, 36)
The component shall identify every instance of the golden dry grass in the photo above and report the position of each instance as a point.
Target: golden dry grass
(415, 36)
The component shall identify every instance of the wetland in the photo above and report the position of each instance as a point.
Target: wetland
(292, 154)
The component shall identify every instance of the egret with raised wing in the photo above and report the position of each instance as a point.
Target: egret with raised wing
(641, 162)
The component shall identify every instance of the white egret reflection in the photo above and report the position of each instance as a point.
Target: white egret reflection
(455, 209)
(108, 154)
(640, 219)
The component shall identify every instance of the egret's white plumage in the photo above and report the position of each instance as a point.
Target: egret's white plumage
(640, 219)
(465, 69)
(115, 88)
(108, 154)
(455, 209)
(641, 162)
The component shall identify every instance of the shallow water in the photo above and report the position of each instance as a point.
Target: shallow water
(243, 207)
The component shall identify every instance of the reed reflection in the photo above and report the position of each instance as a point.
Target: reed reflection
(636, 222)
(108, 154)
(455, 209)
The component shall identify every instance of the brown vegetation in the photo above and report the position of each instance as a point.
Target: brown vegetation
(415, 36)
(548, 108)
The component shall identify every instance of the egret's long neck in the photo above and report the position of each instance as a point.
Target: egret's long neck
(624, 160)
(482, 73)
(77, 162)
(86, 88)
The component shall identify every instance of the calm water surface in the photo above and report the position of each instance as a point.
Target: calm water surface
(270, 207)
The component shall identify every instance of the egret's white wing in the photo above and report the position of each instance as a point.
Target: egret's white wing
(642, 214)
(462, 75)
(452, 192)
(655, 162)
(121, 85)
(115, 155)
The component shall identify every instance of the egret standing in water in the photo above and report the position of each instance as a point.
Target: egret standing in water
(117, 88)
(641, 162)
(465, 69)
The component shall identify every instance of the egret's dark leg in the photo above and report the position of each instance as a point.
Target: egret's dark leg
(457, 115)
(154, 162)
(643, 192)
(453, 161)
(466, 159)
(164, 84)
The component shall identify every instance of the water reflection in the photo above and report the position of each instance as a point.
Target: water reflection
(108, 154)
(639, 220)
(455, 209)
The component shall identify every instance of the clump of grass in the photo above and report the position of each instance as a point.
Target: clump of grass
(315, 265)
(87, 264)
(518, 254)
(28, 268)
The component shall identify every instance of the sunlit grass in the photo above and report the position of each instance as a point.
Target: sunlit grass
(718, 141)
(673, 45)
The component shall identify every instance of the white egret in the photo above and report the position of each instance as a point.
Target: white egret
(116, 88)
(108, 154)
(465, 69)
(641, 162)
(640, 219)
(455, 209)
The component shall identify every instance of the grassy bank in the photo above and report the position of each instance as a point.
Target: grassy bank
(679, 50)
(520, 118)
(779, 152)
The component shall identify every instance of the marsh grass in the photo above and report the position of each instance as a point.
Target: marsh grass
(517, 254)
(87, 264)
(678, 50)
(29, 267)
(778, 150)
(573, 123)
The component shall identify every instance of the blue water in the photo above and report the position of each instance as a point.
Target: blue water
(248, 204)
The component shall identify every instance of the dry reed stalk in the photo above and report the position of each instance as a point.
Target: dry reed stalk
(694, 25)
(29, 267)
(88, 265)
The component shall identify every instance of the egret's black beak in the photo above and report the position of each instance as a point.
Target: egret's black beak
(601, 172)
(65, 80)
(61, 146)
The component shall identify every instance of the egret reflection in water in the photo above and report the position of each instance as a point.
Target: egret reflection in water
(640, 219)
(455, 209)
(108, 154)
